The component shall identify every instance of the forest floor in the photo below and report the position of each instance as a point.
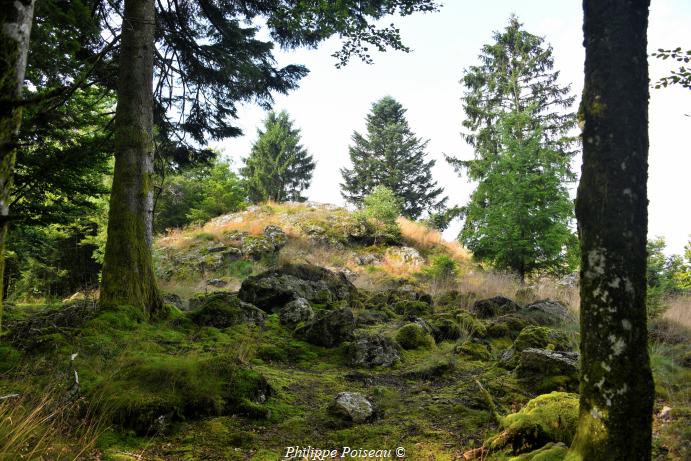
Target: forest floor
(431, 362)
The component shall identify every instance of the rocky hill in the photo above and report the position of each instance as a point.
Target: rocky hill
(290, 328)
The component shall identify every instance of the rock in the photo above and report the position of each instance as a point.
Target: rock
(549, 313)
(474, 350)
(296, 311)
(445, 329)
(494, 307)
(175, 300)
(367, 259)
(257, 246)
(414, 336)
(569, 281)
(216, 248)
(353, 406)
(222, 310)
(276, 236)
(665, 414)
(370, 350)
(410, 307)
(539, 367)
(539, 337)
(509, 325)
(217, 283)
(231, 254)
(273, 289)
(330, 328)
(408, 255)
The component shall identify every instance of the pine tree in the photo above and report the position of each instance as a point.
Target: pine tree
(518, 217)
(278, 167)
(391, 156)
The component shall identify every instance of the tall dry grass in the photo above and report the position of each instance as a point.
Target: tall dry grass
(679, 310)
(421, 236)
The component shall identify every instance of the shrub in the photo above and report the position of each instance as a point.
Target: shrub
(379, 213)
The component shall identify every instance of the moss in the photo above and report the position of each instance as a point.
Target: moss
(547, 418)
(222, 310)
(413, 336)
(474, 350)
(9, 358)
(412, 307)
(446, 329)
(507, 325)
(541, 338)
(471, 326)
(550, 452)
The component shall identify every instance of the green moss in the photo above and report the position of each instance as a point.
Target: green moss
(541, 338)
(9, 358)
(413, 336)
(471, 327)
(550, 452)
(412, 307)
(474, 350)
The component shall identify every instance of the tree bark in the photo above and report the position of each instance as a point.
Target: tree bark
(128, 277)
(617, 390)
(15, 28)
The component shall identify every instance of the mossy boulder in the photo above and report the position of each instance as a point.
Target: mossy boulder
(414, 336)
(353, 406)
(549, 313)
(329, 328)
(494, 307)
(412, 307)
(541, 338)
(153, 391)
(296, 311)
(445, 329)
(223, 310)
(509, 325)
(273, 289)
(455, 299)
(370, 350)
(548, 418)
(550, 452)
(471, 326)
(544, 370)
(474, 350)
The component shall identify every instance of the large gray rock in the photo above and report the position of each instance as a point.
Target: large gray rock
(273, 289)
(370, 350)
(548, 312)
(296, 311)
(494, 307)
(353, 406)
(330, 328)
(222, 310)
(539, 366)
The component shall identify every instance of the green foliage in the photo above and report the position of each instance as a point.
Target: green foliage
(278, 167)
(442, 267)
(518, 217)
(666, 275)
(413, 336)
(682, 76)
(380, 210)
(198, 194)
(391, 156)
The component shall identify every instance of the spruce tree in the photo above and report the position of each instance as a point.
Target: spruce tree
(518, 217)
(278, 167)
(390, 155)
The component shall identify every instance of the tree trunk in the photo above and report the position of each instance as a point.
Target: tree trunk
(128, 277)
(15, 27)
(616, 382)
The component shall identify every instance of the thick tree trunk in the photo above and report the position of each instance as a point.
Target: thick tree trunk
(616, 382)
(128, 277)
(15, 27)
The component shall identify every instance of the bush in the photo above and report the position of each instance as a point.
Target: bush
(443, 267)
(413, 336)
(379, 213)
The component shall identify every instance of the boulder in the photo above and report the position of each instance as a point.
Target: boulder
(273, 289)
(408, 255)
(330, 328)
(371, 350)
(353, 406)
(494, 307)
(296, 311)
(548, 370)
(175, 300)
(414, 336)
(539, 337)
(509, 325)
(474, 350)
(217, 283)
(549, 313)
(222, 310)
(367, 259)
(444, 328)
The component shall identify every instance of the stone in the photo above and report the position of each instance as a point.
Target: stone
(223, 310)
(296, 311)
(352, 406)
(231, 254)
(414, 336)
(217, 283)
(371, 350)
(329, 328)
(276, 236)
(537, 366)
(494, 307)
(367, 259)
(175, 300)
(408, 255)
(273, 289)
(549, 313)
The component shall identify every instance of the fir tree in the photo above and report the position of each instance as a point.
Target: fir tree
(518, 217)
(278, 167)
(391, 156)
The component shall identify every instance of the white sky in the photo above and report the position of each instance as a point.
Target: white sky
(331, 103)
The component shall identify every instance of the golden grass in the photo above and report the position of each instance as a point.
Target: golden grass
(679, 310)
(420, 236)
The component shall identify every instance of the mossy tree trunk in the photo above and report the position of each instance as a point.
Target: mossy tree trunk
(616, 383)
(15, 27)
(128, 277)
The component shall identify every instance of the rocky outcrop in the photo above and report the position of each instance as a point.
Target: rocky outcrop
(353, 406)
(549, 313)
(494, 307)
(548, 370)
(329, 328)
(296, 311)
(273, 289)
(371, 350)
(223, 310)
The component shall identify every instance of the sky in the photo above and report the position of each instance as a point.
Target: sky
(331, 103)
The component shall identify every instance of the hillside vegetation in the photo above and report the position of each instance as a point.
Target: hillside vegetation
(296, 325)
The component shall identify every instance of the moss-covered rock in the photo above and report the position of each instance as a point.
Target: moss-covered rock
(412, 307)
(153, 391)
(445, 329)
(548, 418)
(550, 452)
(330, 328)
(549, 313)
(370, 350)
(541, 338)
(471, 326)
(474, 350)
(509, 325)
(493, 307)
(413, 336)
(296, 311)
(544, 370)
(223, 310)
